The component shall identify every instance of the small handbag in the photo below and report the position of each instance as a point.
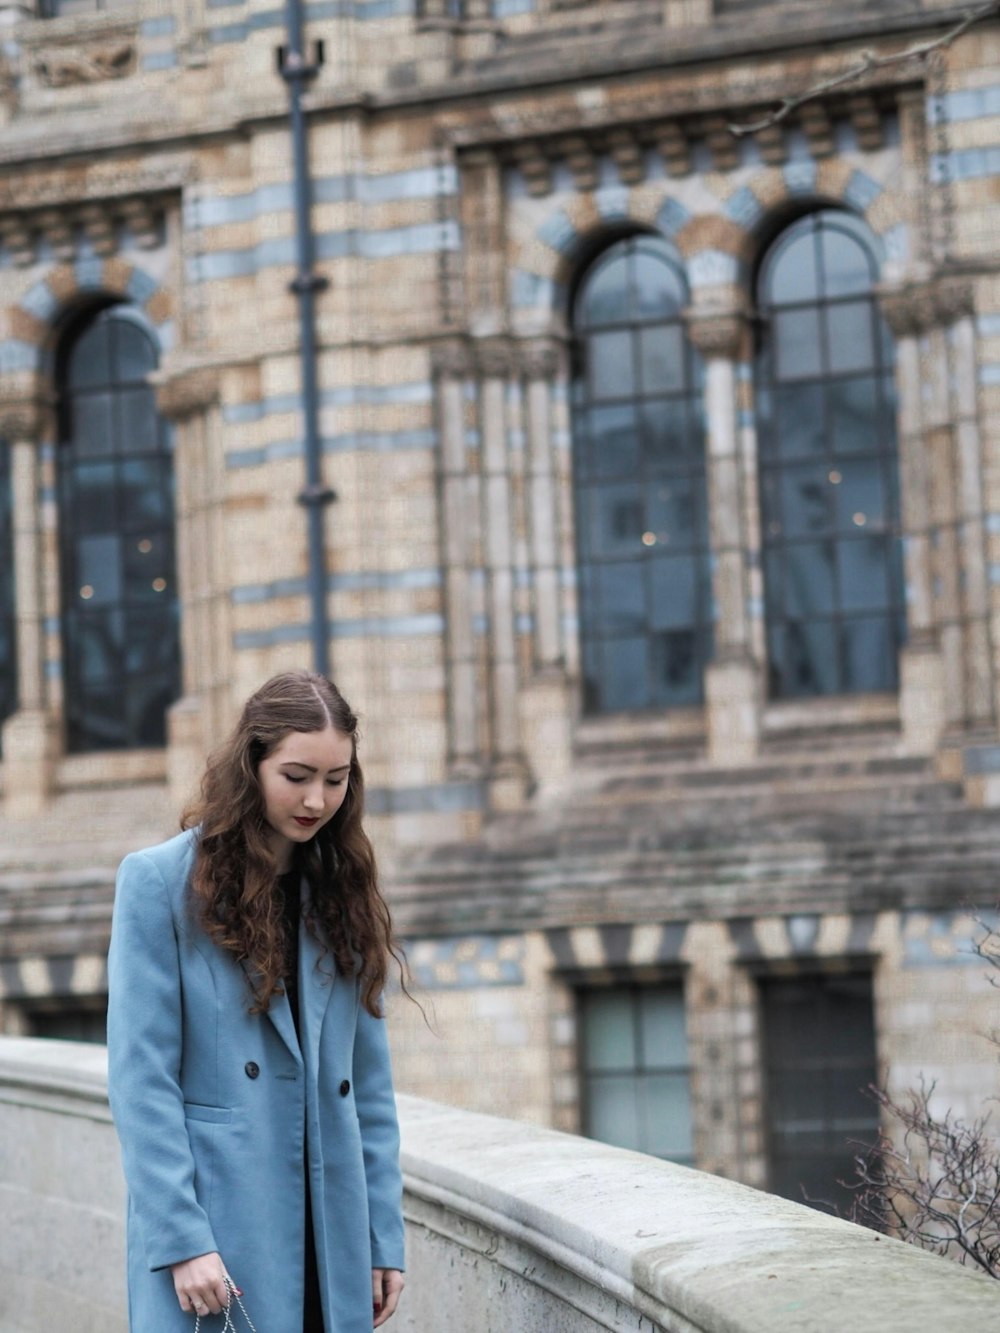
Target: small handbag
(230, 1325)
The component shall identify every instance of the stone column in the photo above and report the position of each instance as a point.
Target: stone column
(547, 703)
(31, 734)
(188, 397)
(909, 312)
(733, 686)
(494, 365)
(955, 305)
(452, 371)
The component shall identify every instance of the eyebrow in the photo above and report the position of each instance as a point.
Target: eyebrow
(294, 763)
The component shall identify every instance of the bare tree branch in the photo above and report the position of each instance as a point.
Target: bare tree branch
(869, 61)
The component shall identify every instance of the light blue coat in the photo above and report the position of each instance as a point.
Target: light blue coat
(211, 1106)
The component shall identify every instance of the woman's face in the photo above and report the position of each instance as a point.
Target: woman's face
(303, 782)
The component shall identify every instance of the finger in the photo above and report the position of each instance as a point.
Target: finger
(393, 1291)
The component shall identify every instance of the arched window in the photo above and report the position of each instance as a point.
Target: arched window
(116, 530)
(8, 640)
(828, 476)
(639, 483)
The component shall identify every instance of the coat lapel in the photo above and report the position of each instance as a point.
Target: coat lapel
(279, 1013)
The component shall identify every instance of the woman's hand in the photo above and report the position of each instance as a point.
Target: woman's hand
(200, 1284)
(387, 1287)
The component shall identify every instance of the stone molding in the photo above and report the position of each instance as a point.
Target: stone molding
(917, 307)
(451, 360)
(494, 358)
(540, 358)
(24, 230)
(27, 411)
(186, 393)
(718, 332)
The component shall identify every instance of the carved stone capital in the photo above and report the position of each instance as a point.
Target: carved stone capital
(539, 358)
(955, 299)
(931, 303)
(187, 392)
(909, 310)
(717, 332)
(26, 408)
(450, 360)
(494, 358)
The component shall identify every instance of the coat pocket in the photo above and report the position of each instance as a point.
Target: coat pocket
(213, 1115)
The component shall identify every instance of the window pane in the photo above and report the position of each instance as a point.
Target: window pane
(798, 350)
(149, 567)
(846, 267)
(806, 657)
(94, 503)
(139, 425)
(610, 360)
(674, 588)
(854, 414)
(793, 276)
(677, 656)
(621, 598)
(868, 652)
(146, 496)
(93, 428)
(626, 681)
(609, 1038)
(619, 519)
(858, 495)
(98, 569)
(805, 501)
(613, 1112)
(673, 512)
(810, 587)
(614, 440)
(89, 363)
(99, 639)
(666, 1118)
(662, 1034)
(863, 568)
(849, 335)
(661, 359)
(800, 413)
(134, 354)
(659, 292)
(672, 438)
(605, 294)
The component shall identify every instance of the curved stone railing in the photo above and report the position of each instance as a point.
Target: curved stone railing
(510, 1229)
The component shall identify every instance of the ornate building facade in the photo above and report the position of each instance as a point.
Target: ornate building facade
(665, 435)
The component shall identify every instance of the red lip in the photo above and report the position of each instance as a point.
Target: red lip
(305, 823)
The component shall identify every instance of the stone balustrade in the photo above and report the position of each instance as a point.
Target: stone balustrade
(511, 1229)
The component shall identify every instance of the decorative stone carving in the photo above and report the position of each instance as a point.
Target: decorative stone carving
(717, 332)
(18, 239)
(99, 228)
(539, 358)
(71, 66)
(867, 123)
(955, 299)
(494, 360)
(58, 230)
(627, 154)
(535, 168)
(142, 221)
(98, 221)
(26, 409)
(722, 143)
(581, 160)
(450, 360)
(186, 392)
(674, 148)
(917, 307)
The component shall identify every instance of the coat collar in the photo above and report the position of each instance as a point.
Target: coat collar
(317, 979)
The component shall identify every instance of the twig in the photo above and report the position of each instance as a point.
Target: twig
(869, 61)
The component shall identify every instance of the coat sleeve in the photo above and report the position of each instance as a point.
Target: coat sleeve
(376, 1110)
(144, 1061)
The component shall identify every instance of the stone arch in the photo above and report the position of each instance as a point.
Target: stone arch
(35, 317)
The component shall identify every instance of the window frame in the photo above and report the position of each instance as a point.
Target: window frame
(679, 474)
(834, 541)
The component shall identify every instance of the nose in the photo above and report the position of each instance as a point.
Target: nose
(313, 799)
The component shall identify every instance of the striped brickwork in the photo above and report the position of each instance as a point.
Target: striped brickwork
(467, 161)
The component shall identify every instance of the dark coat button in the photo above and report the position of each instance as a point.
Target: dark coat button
(345, 1087)
(250, 1069)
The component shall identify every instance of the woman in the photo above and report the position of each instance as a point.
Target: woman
(248, 1065)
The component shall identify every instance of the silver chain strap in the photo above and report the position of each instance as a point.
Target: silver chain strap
(229, 1326)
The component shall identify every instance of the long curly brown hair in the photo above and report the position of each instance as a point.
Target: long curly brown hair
(235, 871)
